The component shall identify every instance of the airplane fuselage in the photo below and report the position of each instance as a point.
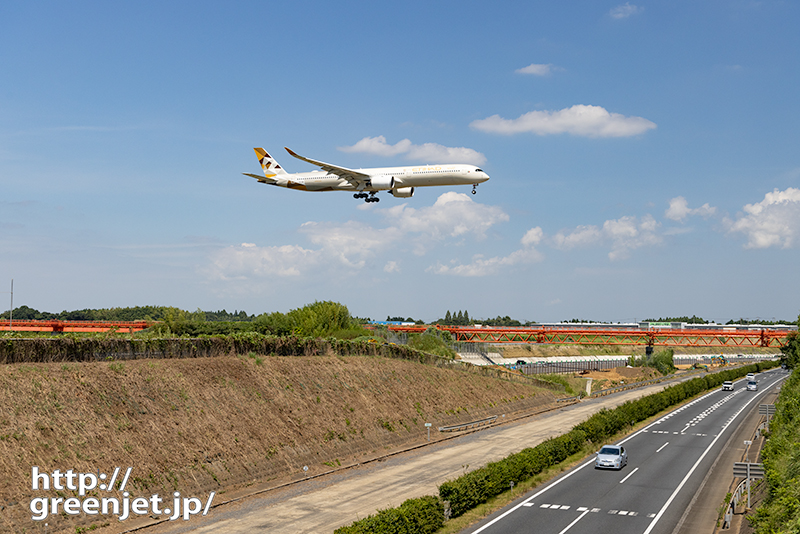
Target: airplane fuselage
(386, 178)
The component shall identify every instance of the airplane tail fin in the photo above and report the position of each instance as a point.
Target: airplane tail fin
(268, 164)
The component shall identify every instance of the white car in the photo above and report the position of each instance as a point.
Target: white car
(727, 386)
(752, 385)
(750, 376)
(611, 457)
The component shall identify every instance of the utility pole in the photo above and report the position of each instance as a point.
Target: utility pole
(11, 310)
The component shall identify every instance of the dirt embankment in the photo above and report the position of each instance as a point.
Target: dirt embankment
(223, 423)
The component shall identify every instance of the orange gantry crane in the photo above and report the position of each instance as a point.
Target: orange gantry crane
(72, 326)
(587, 336)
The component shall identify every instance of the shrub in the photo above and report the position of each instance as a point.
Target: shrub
(424, 515)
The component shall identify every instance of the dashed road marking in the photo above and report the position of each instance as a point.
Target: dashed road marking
(586, 509)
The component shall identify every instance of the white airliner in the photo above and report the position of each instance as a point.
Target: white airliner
(399, 181)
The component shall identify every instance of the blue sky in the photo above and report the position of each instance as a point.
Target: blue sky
(644, 157)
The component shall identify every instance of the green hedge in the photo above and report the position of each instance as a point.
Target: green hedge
(81, 349)
(480, 485)
(424, 515)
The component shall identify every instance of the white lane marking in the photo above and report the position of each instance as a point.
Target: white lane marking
(684, 428)
(573, 523)
(629, 475)
(683, 482)
(664, 445)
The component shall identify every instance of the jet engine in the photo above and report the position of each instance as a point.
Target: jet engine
(382, 183)
(403, 192)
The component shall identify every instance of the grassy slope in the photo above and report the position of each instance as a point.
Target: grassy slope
(211, 424)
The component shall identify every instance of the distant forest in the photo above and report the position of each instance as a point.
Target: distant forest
(699, 320)
(137, 313)
(169, 313)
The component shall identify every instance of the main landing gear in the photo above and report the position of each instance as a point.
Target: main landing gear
(367, 197)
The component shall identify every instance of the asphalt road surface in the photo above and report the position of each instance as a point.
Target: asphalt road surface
(667, 461)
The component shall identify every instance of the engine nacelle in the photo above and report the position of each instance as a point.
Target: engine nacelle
(382, 183)
(403, 192)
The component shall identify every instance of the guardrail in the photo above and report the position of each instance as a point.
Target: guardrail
(465, 426)
(737, 496)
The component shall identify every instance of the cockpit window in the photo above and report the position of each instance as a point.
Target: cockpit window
(478, 170)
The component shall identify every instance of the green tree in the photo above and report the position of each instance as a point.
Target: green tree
(791, 350)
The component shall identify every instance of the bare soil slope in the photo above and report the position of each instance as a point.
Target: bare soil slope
(217, 424)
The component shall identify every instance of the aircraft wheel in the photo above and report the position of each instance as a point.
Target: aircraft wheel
(474, 192)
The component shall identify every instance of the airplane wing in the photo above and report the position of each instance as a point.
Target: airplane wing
(354, 177)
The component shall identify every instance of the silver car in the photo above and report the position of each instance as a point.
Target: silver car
(752, 386)
(611, 457)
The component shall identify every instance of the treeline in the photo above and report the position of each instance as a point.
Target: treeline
(320, 319)
(690, 320)
(136, 313)
(699, 320)
(462, 318)
(759, 321)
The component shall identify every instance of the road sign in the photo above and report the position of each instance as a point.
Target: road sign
(748, 470)
(766, 409)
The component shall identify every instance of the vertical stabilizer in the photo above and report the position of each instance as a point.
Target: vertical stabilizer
(268, 164)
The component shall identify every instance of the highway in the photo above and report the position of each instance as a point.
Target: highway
(667, 461)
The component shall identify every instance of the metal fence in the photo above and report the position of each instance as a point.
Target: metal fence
(570, 366)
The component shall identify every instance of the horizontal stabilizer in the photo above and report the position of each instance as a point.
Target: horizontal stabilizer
(262, 179)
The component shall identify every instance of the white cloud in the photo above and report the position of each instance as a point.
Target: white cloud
(581, 236)
(580, 120)
(481, 266)
(349, 243)
(452, 215)
(536, 69)
(453, 218)
(248, 261)
(624, 11)
(775, 221)
(679, 209)
(425, 153)
(622, 235)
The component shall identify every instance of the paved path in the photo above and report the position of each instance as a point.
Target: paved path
(321, 506)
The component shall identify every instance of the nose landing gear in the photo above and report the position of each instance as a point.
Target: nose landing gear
(473, 188)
